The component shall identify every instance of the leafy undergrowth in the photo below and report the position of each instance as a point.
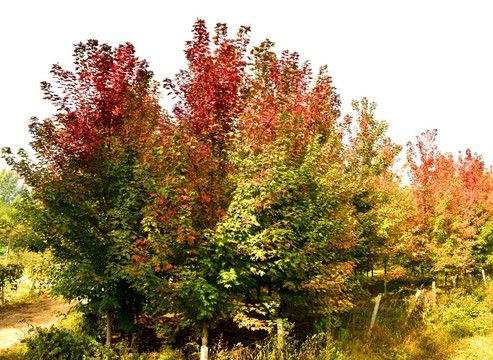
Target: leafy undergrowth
(459, 327)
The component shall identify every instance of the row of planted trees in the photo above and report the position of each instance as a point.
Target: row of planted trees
(253, 199)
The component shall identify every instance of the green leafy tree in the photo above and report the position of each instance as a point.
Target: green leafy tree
(291, 216)
(9, 275)
(10, 227)
(370, 158)
(9, 187)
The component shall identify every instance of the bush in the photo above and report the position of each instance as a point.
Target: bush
(13, 353)
(67, 344)
(10, 274)
(58, 344)
(463, 314)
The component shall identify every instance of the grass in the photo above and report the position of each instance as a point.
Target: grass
(459, 327)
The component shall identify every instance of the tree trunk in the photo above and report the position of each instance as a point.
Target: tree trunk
(7, 254)
(204, 350)
(280, 341)
(108, 328)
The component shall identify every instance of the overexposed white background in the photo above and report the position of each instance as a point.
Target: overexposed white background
(427, 64)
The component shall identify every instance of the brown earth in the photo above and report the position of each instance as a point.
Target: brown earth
(14, 323)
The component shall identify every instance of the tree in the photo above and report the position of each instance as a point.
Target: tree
(9, 275)
(10, 228)
(9, 187)
(86, 199)
(189, 181)
(377, 198)
(452, 200)
(291, 215)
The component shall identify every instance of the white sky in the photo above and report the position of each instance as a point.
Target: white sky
(427, 64)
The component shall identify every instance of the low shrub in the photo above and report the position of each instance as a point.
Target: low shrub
(463, 313)
(58, 344)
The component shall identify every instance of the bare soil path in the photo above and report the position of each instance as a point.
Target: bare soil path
(14, 323)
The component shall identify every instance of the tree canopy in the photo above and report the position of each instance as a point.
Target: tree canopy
(253, 198)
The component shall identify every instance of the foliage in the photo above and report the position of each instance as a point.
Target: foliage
(10, 274)
(86, 198)
(11, 227)
(9, 187)
(253, 199)
(294, 245)
(379, 202)
(187, 174)
(452, 200)
(56, 343)
(464, 313)
(39, 271)
(250, 189)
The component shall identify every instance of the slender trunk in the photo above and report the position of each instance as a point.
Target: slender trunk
(7, 254)
(371, 269)
(3, 295)
(204, 350)
(280, 341)
(108, 328)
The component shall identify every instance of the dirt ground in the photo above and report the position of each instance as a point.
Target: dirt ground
(14, 323)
